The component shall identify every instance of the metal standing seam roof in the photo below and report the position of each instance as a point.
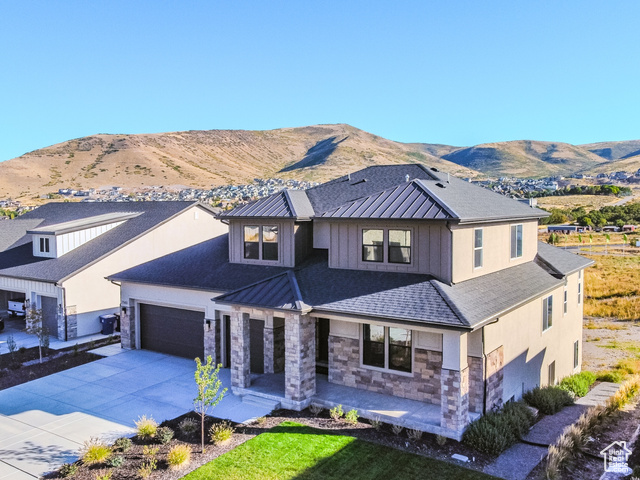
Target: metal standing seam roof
(284, 204)
(410, 200)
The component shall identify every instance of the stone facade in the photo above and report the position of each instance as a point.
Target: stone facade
(278, 349)
(240, 353)
(72, 323)
(268, 349)
(454, 403)
(212, 344)
(495, 378)
(422, 385)
(300, 357)
(127, 326)
(476, 384)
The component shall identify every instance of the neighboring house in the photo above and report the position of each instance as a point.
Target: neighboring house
(58, 255)
(399, 280)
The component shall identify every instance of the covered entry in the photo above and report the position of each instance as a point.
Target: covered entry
(172, 330)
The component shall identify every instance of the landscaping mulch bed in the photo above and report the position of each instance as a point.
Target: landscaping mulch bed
(134, 458)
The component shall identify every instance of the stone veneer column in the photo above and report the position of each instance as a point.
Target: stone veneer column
(269, 340)
(278, 349)
(476, 384)
(454, 399)
(127, 326)
(495, 378)
(300, 357)
(212, 339)
(240, 351)
(61, 327)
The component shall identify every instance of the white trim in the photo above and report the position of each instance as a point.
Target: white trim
(522, 240)
(480, 248)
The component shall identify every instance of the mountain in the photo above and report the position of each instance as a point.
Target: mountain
(615, 150)
(206, 158)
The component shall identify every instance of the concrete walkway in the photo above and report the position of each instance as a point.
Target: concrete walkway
(44, 423)
(517, 462)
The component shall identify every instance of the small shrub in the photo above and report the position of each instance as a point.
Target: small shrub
(614, 376)
(397, 429)
(150, 452)
(164, 435)
(336, 412)
(441, 440)
(188, 426)
(146, 427)
(94, 451)
(414, 434)
(179, 456)
(68, 470)
(628, 366)
(315, 409)
(261, 421)
(579, 383)
(147, 468)
(115, 461)
(123, 444)
(104, 474)
(548, 400)
(352, 417)
(220, 432)
(376, 423)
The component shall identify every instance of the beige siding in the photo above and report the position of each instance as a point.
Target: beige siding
(92, 295)
(286, 246)
(496, 250)
(528, 350)
(430, 247)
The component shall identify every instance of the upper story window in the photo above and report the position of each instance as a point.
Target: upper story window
(386, 347)
(261, 242)
(44, 245)
(579, 287)
(565, 301)
(516, 241)
(547, 313)
(398, 245)
(477, 248)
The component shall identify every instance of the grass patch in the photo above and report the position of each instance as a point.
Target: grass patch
(631, 347)
(612, 287)
(291, 450)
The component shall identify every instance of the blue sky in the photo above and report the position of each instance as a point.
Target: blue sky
(454, 72)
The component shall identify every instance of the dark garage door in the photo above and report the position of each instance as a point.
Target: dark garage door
(50, 314)
(172, 330)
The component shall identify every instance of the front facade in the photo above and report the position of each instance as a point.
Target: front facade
(401, 281)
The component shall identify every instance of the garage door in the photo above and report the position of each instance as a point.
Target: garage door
(172, 330)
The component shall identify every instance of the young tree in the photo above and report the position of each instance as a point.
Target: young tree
(208, 390)
(36, 327)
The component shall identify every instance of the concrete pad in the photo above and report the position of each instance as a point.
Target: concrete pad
(51, 385)
(89, 396)
(128, 412)
(91, 372)
(7, 472)
(13, 400)
(108, 350)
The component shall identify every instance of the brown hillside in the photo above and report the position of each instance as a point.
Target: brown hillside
(206, 158)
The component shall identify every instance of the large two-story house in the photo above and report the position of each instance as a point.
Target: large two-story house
(400, 281)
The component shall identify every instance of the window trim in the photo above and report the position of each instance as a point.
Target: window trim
(516, 225)
(576, 354)
(480, 248)
(385, 245)
(260, 258)
(387, 236)
(45, 246)
(565, 301)
(545, 313)
(382, 260)
(386, 368)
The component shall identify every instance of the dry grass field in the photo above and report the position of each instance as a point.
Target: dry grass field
(612, 287)
(599, 239)
(589, 202)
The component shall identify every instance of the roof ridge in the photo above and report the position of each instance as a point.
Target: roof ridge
(454, 308)
(285, 191)
(440, 202)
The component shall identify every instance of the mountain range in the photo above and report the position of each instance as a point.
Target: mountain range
(200, 159)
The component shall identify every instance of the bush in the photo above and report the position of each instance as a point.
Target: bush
(579, 383)
(146, 427)
(94, 451)
(179, 456)
(164, 435)
(414, 434)
(496, 431)
(548, 400)
(614, 376)
(336, 412)
(68, 469)
(104, 474)
(352, 417)
(115, 461)
(188, 426)
(220, 432)
(123, 444)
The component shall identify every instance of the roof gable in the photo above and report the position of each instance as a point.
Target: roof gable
(284, 204)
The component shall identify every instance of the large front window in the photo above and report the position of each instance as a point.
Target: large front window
(386, 347)
(261, 242)
(397, 242)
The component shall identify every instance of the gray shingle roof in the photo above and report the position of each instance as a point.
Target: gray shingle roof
(560, 260)
(284, 204)
(17, 260)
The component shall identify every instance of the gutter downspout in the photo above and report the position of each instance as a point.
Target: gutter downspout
(485, 361)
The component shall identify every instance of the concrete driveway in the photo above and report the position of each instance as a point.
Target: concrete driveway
(44, 423)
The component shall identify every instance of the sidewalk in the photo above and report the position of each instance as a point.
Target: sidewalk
(517, 462)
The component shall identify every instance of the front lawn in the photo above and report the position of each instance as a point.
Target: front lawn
(292, 450)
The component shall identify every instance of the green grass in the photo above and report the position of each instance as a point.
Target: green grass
(294, 451)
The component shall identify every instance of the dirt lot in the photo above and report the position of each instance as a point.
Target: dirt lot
(606, 342)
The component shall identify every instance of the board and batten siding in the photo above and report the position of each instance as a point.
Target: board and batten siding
(430, 248)
(286, 242)
(61, 244)
(31, 288)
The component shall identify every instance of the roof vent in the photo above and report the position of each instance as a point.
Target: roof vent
(359, 181)
(440, 185)
(434, 169)
(448, 178)
(406, 177)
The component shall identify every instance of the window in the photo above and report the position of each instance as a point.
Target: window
(372, 245)
(44, 245)
(516, 241)
(386, 347)
(399, 246)
(261, 242)
(579, 293)
(564, 303)
(547, 313)
(576, 346)
(477, 248)
(552, 373)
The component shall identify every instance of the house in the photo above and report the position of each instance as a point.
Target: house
(58, 255)
(401, 283)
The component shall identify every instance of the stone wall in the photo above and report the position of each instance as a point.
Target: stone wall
(127, 326)
(454, 403)
(278, 349)
(495, 378)
(422, 385)
(212, 340)
(240, 341)
(476, 384)
(300, 357)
